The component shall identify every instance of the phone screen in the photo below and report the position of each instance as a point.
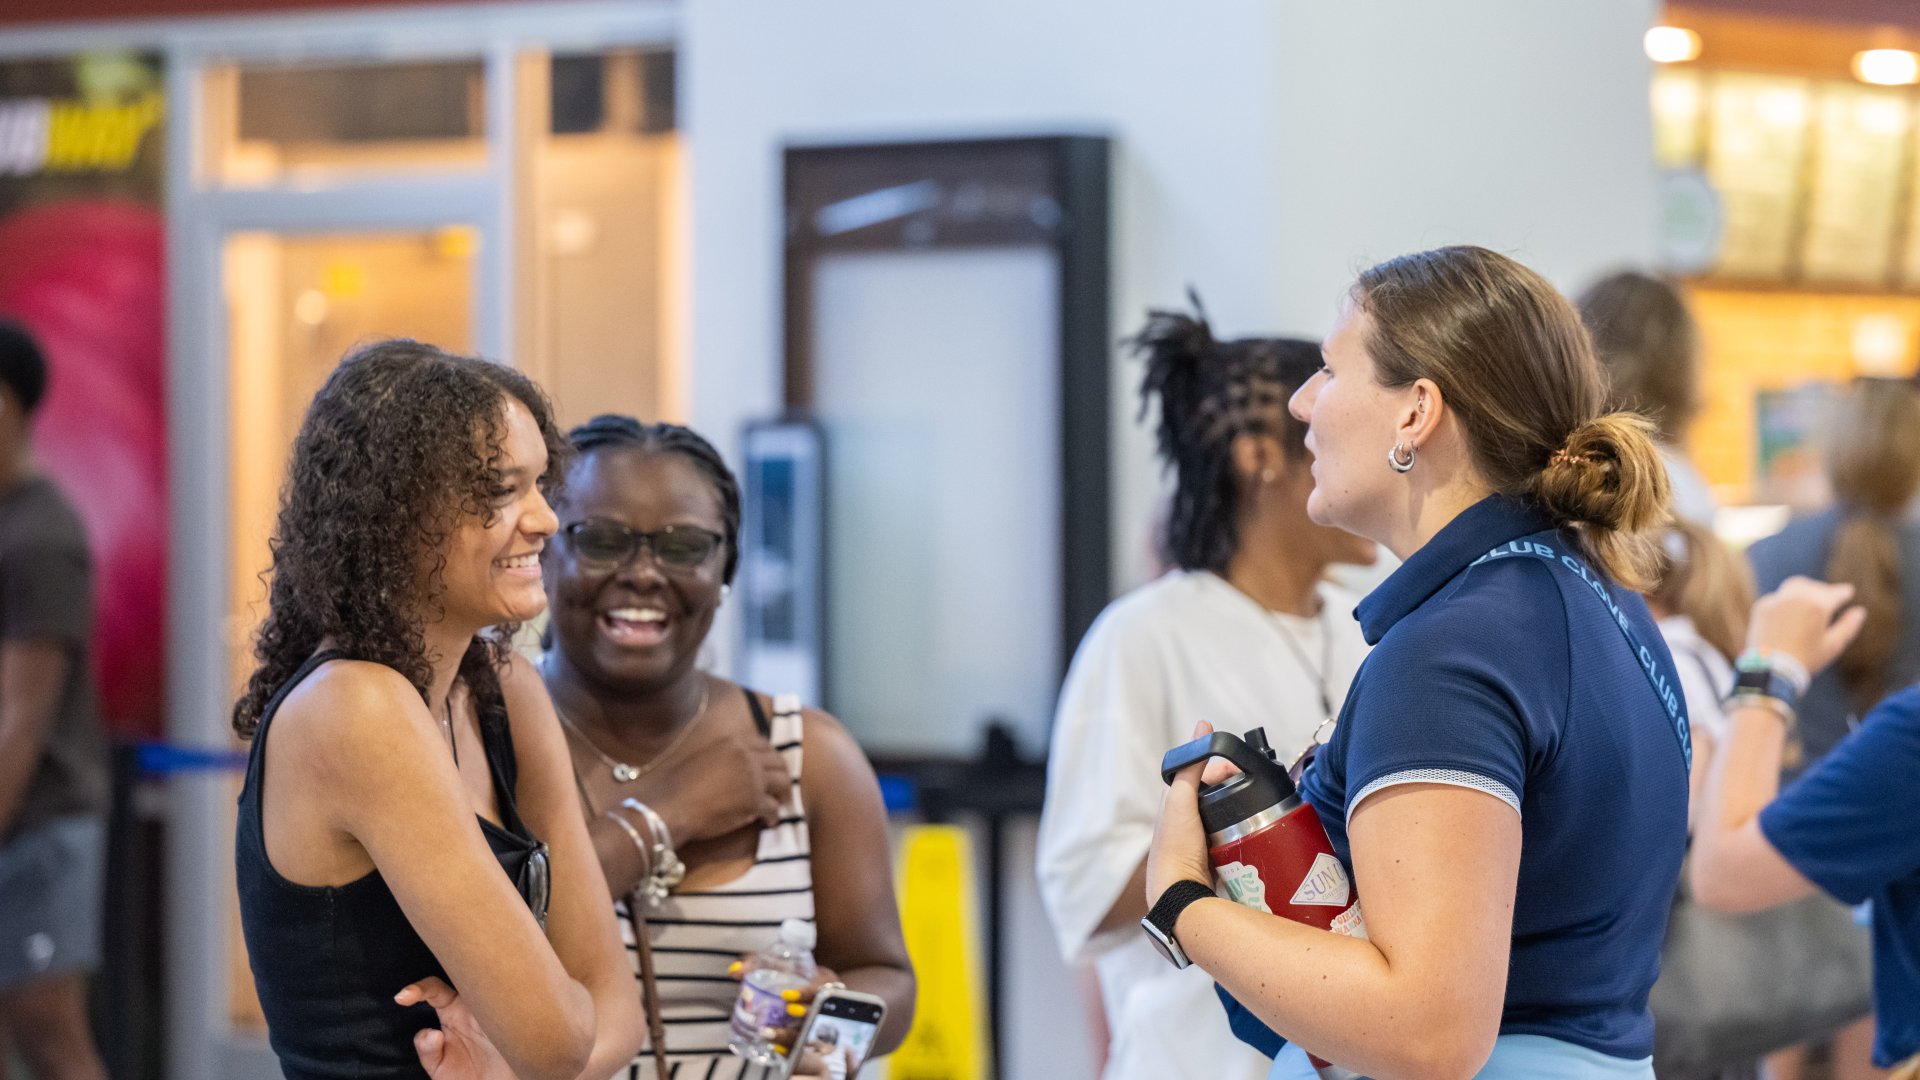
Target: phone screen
(842, 1030)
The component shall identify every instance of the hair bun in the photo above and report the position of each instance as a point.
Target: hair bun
(1607, 474)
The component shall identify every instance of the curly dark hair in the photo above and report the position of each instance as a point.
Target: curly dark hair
(402, 442)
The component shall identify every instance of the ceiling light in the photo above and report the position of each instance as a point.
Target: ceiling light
(1671, 45)
(1887, 67)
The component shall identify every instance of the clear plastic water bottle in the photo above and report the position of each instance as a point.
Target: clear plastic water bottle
(761, 1008)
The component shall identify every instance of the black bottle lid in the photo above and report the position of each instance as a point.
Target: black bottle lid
(1261, 785)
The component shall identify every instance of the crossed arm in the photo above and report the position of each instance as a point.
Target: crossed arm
(556, 1005)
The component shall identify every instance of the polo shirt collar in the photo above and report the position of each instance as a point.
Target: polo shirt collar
(1477, 530)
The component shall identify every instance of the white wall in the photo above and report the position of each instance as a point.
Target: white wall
(1513, 124)
(1265, 150)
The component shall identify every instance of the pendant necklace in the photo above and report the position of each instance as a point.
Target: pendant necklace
(623, 772)
(1324, 730)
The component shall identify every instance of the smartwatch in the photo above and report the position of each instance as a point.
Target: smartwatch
(1759, 680)
(1166, 911)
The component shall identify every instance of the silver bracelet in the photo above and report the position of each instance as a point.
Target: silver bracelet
(639, 842)
(668, 870)
(1756, 699)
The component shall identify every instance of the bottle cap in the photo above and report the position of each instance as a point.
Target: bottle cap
(799, 933)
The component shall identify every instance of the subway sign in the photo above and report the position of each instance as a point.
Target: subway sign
(70, 135)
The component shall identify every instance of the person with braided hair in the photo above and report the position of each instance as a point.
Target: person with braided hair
(716, 811)
(1244, 630)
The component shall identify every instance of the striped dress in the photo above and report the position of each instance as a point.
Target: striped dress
(696, 935)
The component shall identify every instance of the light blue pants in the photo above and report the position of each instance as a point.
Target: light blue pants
(1515, 1057)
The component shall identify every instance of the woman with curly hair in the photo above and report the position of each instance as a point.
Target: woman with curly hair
(420, 831)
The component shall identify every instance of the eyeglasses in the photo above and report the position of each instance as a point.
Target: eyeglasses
(610, 544)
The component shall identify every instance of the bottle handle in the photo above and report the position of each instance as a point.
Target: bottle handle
(1220, 744)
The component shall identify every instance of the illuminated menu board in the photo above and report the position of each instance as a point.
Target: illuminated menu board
(1817, 181)
(1756, 139)
(1677, 118)
(1910, 250)
(1861, 146)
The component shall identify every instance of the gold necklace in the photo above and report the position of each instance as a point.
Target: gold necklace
(624, 773)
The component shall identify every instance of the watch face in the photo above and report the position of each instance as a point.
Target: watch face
(1165, 945)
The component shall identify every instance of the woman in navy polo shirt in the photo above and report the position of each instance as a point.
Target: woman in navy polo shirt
(1508, 779)
(1846, 826)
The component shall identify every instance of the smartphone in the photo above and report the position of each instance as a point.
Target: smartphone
(840, 1029)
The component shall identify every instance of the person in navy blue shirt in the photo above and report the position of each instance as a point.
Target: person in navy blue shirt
(1507, 783)
(1846, 826)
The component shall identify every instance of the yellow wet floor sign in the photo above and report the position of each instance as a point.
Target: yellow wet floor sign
(948, 1040)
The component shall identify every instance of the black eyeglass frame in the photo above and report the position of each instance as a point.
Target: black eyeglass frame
(638, 539)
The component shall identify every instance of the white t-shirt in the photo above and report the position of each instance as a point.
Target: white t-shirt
(1184, 648)
(1705, 676)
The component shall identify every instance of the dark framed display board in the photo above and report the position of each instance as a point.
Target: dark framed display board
(1002, 244)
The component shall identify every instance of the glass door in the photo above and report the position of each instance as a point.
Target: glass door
(503, 185)
(302, 244)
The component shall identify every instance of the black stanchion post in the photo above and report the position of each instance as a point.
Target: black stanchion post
(119, 1019)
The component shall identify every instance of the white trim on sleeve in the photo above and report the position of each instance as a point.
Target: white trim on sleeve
(1450, 777)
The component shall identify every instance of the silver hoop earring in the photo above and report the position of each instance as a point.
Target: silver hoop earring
(1400, 465)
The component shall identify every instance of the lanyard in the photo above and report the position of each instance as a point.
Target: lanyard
(1666, 686)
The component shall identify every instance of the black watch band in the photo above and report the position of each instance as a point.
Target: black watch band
(1763, 680)
(1166, 911)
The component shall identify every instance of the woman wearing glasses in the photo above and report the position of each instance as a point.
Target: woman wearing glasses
(717, 812)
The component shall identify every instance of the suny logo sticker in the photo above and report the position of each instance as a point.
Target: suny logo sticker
(1325, 885)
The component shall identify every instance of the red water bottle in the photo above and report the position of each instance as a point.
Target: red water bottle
(1267, 847)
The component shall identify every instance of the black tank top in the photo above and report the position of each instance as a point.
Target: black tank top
(327, 960)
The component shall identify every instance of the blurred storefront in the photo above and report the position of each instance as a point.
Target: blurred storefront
(201, 207)
(1788, 135)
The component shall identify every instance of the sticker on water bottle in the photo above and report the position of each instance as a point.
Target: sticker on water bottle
(1325, 885)
(1243, 886)
(1349, 923)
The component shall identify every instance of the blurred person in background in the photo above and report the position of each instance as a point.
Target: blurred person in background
(1507, 786)
(716, 811)
(417, 891)
(1866, 540)
(1844, 827)
(1649, 347)
(1245, 631)
(1701, 599)
(53, 753)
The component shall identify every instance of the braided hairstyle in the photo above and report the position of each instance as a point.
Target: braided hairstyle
(613, 431)
(1210, 393)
